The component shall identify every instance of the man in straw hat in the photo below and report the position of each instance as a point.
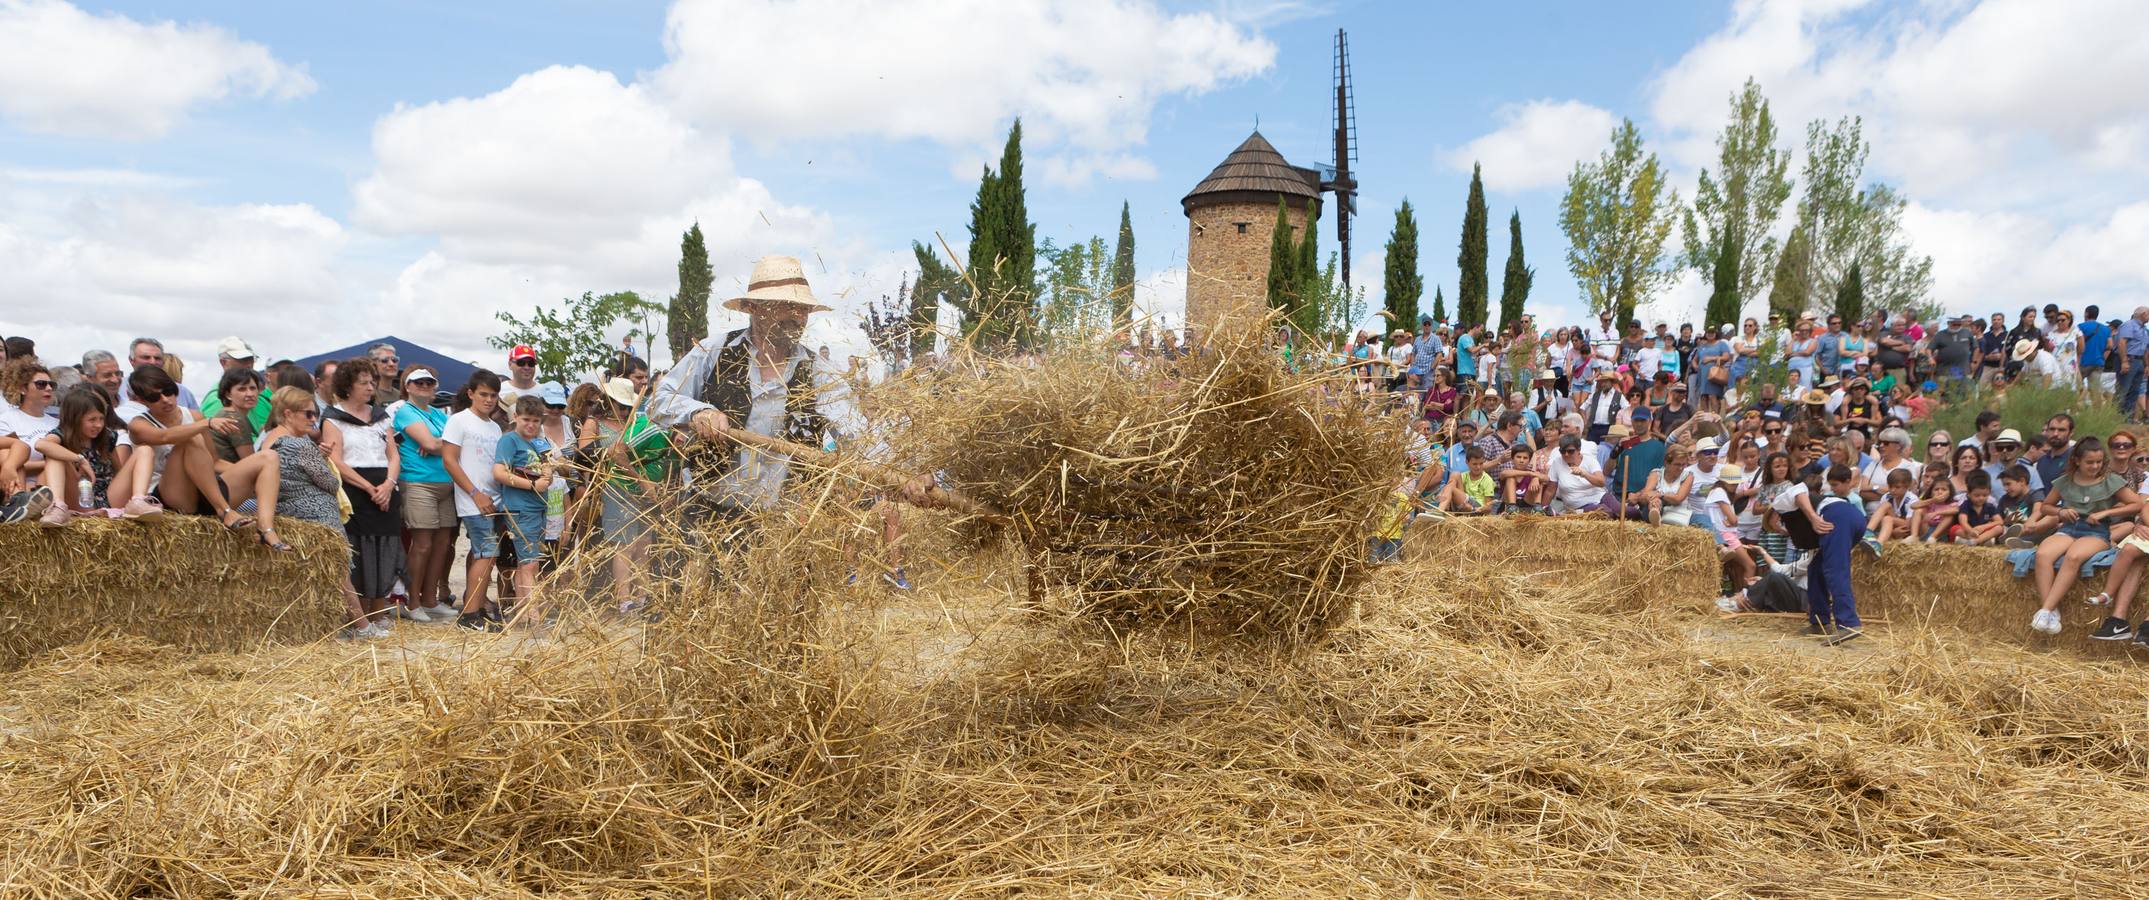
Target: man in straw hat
(759, 378)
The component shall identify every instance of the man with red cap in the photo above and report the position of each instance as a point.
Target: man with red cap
(521, 376)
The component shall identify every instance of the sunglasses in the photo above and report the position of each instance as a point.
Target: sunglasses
(421, 381)
(309, 414)
(42, 383)
(386, 359)
(1936, 443)
(2122, 445)
(523, 362)
(152, 396)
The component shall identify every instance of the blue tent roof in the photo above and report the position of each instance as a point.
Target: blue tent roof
(452, 373)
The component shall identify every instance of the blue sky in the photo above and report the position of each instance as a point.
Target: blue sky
(306, 175)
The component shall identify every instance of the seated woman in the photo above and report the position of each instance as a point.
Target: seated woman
(1665, 495)
(2120, 584)
(27, 385)
(173, 464)
(297, 481)
(2085, 499)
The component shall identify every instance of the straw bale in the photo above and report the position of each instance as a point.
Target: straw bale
(1623, 565)
(1972, 589)
(179, 580)
(1221, 492)
(1468, 735)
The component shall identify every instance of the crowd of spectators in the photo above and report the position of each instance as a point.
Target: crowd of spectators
(1751, 430)
(405, 467)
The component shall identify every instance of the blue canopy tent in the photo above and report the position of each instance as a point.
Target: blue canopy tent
(452, 373)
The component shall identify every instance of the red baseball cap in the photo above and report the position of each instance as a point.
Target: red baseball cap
(521, 351)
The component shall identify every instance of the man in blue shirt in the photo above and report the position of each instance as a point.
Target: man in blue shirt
(2133, 338)
(1424, 352)
(1828, 357)
(2096, 338)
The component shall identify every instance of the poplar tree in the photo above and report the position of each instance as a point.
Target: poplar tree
(1123, 272)
(1515, 282)
(686, 320)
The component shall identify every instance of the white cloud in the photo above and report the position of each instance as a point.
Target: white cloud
(93, 269)
(1087, 73)
(1536, 145)
(66, 71)
(1075, 172)
(564, 181)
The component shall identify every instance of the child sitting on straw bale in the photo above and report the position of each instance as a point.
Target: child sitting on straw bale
(1978, 520)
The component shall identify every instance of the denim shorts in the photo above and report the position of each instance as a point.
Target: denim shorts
(526, 533)
(2085, 529)
(484, 535)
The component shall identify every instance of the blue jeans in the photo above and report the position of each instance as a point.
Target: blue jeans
(2130, 386)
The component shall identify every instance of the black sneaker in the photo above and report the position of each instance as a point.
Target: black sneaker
(1843, 636)
(475, 622)
(1816, 629)
(2141, 634)
(492, 614)
(28, 504)
(2113, 629)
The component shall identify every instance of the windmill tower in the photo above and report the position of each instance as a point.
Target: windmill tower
(1231, 215)
(1231, 220)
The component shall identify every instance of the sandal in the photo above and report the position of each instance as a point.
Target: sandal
(271, 540)
(2103, 599)
(236, 521)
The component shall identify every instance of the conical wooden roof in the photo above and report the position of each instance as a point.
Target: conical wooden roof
(1255, 171)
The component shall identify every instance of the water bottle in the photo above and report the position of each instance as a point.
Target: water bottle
(82, 494)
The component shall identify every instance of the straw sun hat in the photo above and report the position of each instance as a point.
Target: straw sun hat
(777, 279)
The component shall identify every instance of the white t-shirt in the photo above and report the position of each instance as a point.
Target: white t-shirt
(27, 427)
(1399, 356)
(479, 438)
(1648, 361)
(1787, 501)
(1575, 491)
(1697, 499)
(1718, 501)
(1876, 473)
(126, 411)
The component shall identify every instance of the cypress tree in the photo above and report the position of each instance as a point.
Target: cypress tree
(1283, 262)
(1724, 290)
(1850, 296)
(935, 281)
(1401, 281)
(1471, 288)
(1787, 294)
(1515, 283)
(686, 323)
(1306, 312)
(1003, 252)
(1440, 307)
(1123, 272)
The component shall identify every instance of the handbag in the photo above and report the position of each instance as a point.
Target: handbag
(1718, 375)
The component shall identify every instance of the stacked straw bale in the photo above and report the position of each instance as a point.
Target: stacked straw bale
(179, 580)
(1221, 492)
(1972, 589)
(1615, 565)
(1474, 735)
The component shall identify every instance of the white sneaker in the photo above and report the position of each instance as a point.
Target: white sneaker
(2046, 621)
(1727, 604)
(413, 614)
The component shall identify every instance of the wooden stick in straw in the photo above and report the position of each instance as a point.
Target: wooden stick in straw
(881, 475)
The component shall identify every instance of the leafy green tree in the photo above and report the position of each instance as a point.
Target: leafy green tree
(1852, 224)
(1724, 288)
(1515, 282)
(686, 321)
(1471, 288)
(1850, 296)
(1003, 254)
(1740, 200)
(1123, 272)
(574, 341)
(1400, 280)
(1617, 214)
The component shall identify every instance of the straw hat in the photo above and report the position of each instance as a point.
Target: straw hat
(1816, 397)
(2025, 348)
(776, 279)
(621, 390)
(1729, 472)
(1618, 430)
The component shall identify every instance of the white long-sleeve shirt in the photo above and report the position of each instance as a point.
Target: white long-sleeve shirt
(757, 476)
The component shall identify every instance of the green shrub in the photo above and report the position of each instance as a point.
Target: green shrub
(2025, 408)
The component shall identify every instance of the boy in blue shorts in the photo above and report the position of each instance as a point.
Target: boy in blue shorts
(522, 466)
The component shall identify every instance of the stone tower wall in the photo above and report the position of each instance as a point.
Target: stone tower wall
(1226, 268)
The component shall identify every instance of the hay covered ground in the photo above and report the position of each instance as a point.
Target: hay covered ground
(1465, 731)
